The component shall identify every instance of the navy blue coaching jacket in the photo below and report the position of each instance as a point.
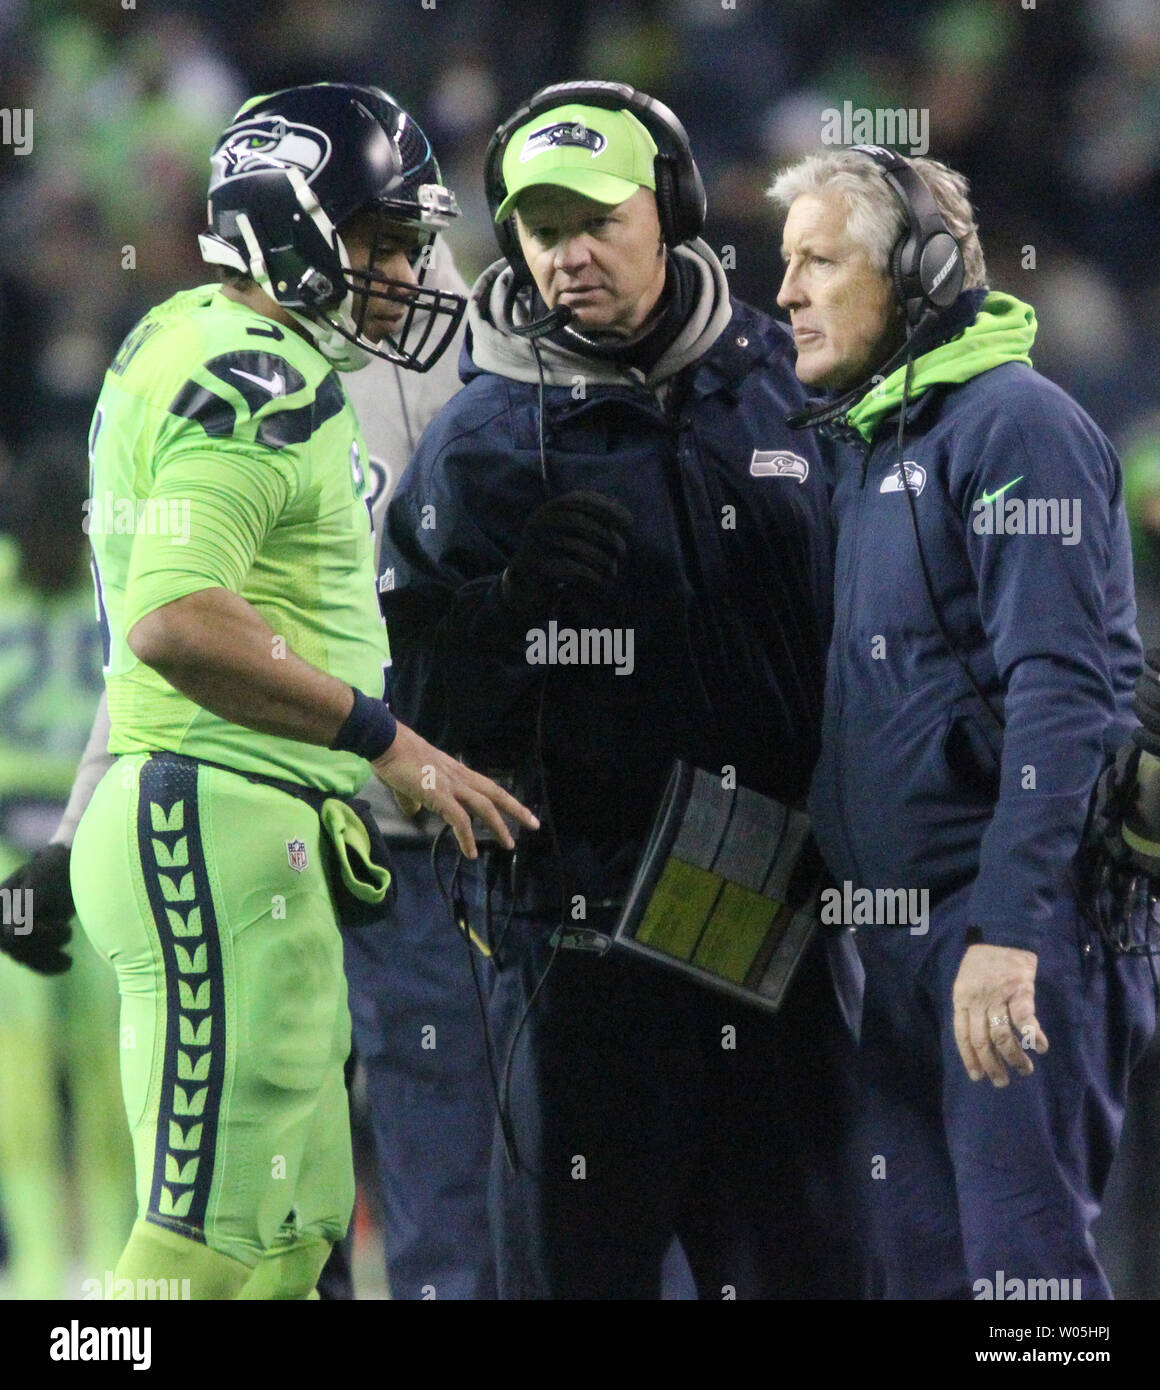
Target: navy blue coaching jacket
(1018, 501)
(724, 595)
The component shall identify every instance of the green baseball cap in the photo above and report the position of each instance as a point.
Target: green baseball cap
(603, 155)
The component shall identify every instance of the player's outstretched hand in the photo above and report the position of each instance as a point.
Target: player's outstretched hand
(36, 905)
(422, 775)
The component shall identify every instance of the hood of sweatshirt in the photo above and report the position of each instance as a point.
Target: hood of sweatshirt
(495, 348)
(1003, 330)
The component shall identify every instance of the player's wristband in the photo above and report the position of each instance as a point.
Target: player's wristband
(369, 729)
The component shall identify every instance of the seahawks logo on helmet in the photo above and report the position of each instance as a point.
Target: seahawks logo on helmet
(563, 133)
(269, 142)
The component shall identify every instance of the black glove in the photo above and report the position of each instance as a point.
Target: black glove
(570, 554)
(47, 908)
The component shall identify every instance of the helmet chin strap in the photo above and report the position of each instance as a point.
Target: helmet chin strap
(338, 350)
(337, 341)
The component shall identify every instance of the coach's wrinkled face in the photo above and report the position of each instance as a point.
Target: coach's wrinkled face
(604, 262)
(843, 312)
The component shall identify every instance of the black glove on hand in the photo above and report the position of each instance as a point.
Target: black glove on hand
(47, 909)
(570, 554)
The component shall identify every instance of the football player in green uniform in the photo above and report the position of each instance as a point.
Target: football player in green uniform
(232, 558)
(58, 1030)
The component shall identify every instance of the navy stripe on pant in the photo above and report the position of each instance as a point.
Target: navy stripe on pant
(174, 870)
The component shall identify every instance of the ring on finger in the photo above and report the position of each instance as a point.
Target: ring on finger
(999, 1021)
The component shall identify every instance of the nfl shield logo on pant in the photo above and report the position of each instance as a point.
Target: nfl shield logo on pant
(296, 853)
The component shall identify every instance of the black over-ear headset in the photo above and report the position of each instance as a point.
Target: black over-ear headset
(926, 263)
(680, 193)
(926, 268)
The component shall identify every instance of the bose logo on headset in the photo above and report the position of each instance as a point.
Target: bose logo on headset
(951, 261)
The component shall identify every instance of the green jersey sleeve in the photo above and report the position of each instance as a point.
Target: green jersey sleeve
(224, 453)
(219, 507)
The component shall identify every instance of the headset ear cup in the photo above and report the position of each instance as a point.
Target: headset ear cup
(509, 245)
(941, 270)
(495, 190)
(666, 200)
(691, 201)
(680, 199)
(897, 273)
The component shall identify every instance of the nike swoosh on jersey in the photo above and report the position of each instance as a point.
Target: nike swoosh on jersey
(276, 384)
(989, 497)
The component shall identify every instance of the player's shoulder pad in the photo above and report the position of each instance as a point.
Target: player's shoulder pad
(258, 394)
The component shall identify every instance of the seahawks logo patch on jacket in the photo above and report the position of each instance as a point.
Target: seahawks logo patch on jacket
(562, 133)
(915, 477)
(778, 463)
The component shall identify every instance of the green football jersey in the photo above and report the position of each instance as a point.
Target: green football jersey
(225, 454)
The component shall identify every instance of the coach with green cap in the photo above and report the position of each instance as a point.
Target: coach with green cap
(609, 552)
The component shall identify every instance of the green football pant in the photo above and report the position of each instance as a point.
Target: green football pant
(208, 894)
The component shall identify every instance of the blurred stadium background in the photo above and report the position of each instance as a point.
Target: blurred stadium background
(1052, 109)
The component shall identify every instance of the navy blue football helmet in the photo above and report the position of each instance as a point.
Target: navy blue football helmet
(288, 172)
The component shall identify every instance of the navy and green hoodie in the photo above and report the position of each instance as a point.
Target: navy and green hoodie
(917, 786)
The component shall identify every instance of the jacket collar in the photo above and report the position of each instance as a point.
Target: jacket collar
(494, 347)
(983, 330)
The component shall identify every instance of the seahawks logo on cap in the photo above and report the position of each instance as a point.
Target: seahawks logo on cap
(778, 463)
(269, 142)
(551, 137)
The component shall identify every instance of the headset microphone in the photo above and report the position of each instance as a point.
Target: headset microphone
(560, 317)
(917, 341)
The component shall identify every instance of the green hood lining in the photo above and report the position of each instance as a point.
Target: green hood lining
(1003, 331)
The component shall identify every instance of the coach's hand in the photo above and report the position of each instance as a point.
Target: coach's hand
(995, 1023)
(422, 775)
(36, 907)
(570, 553)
